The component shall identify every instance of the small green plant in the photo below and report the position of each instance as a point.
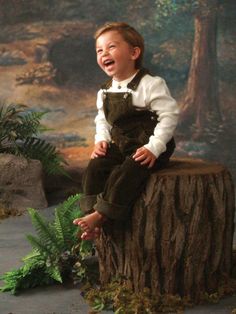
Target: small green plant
(19, 128)
(58, 253)
(118, 295)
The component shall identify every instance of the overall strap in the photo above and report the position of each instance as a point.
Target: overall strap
(133, 84)
(136, 80)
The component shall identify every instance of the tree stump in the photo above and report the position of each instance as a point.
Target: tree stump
(179, 237)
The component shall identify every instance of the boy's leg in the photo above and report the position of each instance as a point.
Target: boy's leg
(122, 188)
(95, 176)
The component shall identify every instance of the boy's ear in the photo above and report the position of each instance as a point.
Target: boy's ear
(136, 53)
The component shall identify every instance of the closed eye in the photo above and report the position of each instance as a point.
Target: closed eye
(99, 51)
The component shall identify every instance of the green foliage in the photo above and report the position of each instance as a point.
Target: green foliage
(58, 253)
(32, 274)
(120, 297)
(167, 9)
(18, 130)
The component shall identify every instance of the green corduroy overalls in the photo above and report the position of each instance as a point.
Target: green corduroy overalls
(112, 183)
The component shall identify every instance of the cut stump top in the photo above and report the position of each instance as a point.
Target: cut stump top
(188, 166)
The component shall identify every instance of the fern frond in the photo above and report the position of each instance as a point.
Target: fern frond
(18, 128)
(44, 230)
(32, 255)
(10, 120)
(32, 274)
(77, 213)
(70, 207)
(38, 245)
(52, 161)
(64, 216)
(30, 124)
(54, 273)
(62, 229)
(11, 111)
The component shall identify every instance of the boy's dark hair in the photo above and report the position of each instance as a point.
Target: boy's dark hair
(130, 35)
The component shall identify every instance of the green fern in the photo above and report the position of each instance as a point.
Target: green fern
(17, 124)
(56, 250)
(38, 246)
(32, 274)
(31, 124)
(36, 148)
(18, 130)
(45, 231)
(63, 234)
(64, 214)
(31, 255)
(55, 273)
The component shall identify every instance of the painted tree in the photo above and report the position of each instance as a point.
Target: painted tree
(201, 98)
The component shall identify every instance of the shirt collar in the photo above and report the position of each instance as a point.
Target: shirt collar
(122, 84)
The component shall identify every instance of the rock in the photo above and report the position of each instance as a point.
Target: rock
(59, 187)
(21, 184)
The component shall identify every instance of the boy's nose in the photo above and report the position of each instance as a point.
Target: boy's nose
(105, 52)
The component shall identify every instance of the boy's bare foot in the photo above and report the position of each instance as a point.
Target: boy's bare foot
(91, 235)
(90, 222)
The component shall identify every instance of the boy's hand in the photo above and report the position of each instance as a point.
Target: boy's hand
(100, 149)
(144, 156)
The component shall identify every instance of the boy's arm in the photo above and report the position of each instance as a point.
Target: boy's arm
(103, 128)
(167, 110)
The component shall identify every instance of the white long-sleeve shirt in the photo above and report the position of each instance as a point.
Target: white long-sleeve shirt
(153, 94)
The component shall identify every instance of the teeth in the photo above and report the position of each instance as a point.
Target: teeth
(108, 62)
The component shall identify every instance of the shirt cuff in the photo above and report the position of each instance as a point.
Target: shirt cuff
(102, 137)
(156, 148)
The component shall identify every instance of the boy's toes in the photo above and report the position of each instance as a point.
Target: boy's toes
(84, 226)
(90, 235)
(87, 235)
(81, 223)
(76, 221)
(84, 236)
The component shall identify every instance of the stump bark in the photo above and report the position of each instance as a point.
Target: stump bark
(179, 237)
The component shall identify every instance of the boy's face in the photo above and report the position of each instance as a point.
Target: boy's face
(115, 56)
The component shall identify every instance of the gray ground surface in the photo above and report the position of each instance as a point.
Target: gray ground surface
(56, 299)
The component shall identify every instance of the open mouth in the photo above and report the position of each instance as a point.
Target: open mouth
(108, 62)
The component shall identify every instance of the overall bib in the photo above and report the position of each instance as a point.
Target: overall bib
(112, 183)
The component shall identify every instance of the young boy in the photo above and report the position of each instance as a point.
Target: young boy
(134, 129)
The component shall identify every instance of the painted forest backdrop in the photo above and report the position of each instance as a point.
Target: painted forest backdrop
(47, 61)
